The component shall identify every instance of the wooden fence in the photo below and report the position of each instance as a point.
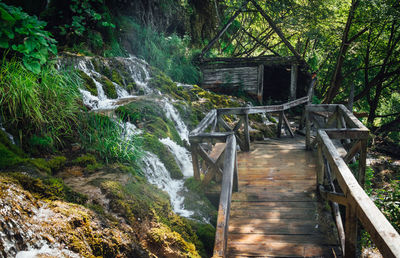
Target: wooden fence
(340, 138)
(215, 142)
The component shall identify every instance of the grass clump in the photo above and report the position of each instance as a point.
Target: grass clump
(44, 104)
(100, 135)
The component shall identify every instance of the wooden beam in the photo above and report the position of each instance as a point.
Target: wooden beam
(352, 152)
(260, 82)
(246, 133)
(277, 30)
(222, 31)
(287, 125)
(279, 127)
(293, 81)
(215, 136)
(382, 233)
(195, 161)
(221, 234)
(347, 133)
(206, 122)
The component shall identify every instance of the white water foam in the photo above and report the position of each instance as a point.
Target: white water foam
(173, 114)
(46, 251)
(182, 156)
(157, 174)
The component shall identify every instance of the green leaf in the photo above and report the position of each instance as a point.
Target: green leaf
(6, 16)
(31, 64)
(3, 43)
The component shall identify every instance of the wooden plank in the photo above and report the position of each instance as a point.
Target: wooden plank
(221, 234)
(215, 136)
(260, 83)
(235, 238)
(347, 133)
(351, 120)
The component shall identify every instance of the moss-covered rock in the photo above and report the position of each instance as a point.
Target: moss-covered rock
(109, 88)
(149, 116)
(152, 144)
(88, 82)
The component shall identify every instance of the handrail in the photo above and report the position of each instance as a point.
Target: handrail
(198, 138)
(230, 166)
(339, 123)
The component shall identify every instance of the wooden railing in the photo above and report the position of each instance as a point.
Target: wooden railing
(214, 133)
(340, 138)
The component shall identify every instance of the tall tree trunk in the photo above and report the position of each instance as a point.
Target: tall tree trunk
(337, 77)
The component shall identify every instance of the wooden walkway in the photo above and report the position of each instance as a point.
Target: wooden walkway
(276, 212)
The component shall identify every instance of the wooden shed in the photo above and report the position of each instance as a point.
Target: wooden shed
(265, 78)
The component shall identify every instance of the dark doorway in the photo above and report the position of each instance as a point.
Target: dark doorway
(276, 84)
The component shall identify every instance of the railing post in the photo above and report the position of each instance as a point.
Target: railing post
(308, 128)
(246, 133)
(350, 231)
(279, 130)
(362, 163)
(235, 187)
(195, 161)
(321, 165)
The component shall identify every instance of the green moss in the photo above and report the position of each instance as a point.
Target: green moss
(116, 77)
(88, 83)
(48, 188)
(41, 164)
(10, 146)
(109, 88)
(84, 160)
(163, 236)
(206, 234)
(150, 116)
(8, 158)
(152, 144)
(56, 163)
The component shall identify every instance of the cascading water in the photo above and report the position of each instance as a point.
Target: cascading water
(182, 156)
(157, 174)
(173, 114)
(154, 169)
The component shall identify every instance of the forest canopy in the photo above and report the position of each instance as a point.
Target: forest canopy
(350, 44)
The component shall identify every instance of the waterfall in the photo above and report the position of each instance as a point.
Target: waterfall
(157, 174)
(173, 114)
(182, 156)
(153, 168)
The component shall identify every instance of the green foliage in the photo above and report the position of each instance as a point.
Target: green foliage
(25, 35)
(104, 137)
(168, 53)
(43, 105)
(388, 200)
(86, 14)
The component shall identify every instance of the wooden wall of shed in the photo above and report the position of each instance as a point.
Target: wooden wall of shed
(231, 79)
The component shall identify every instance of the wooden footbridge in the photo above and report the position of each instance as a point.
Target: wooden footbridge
(273, 193)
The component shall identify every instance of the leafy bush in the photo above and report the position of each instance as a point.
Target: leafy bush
(25, 35)
(44, 104)
(171, 53)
